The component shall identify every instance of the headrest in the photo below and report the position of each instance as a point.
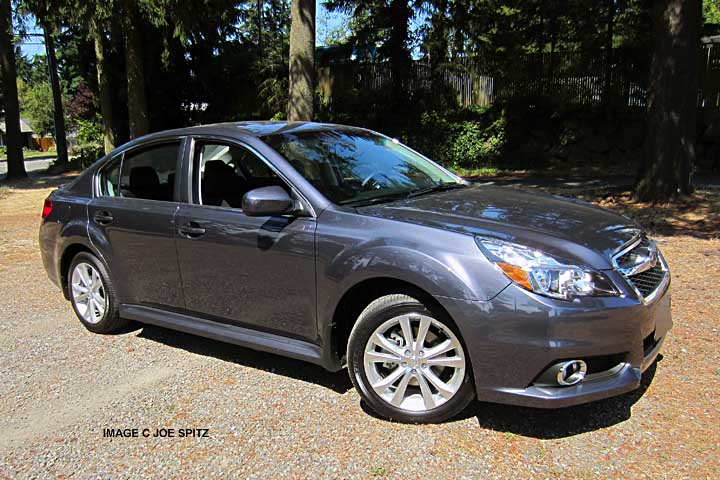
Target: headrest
(218, 168)
(143, 177)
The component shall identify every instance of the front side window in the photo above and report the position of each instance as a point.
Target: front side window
(150, 173)
(110, 178)
(227, 172)
(355, 166)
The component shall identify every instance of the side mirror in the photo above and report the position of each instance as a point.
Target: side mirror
(266, 201)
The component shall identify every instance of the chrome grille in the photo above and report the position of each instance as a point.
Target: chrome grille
(623, 259)
(649, 280)
(642, 265)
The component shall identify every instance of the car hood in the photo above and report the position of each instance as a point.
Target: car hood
(570, 230)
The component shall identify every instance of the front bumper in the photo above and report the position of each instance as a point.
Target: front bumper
(513, 338)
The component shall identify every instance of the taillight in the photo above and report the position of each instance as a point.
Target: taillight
(47, 208)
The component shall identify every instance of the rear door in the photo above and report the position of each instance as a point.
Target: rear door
(256, 272)
(131, 223)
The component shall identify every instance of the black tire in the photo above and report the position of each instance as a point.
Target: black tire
(374, 316)
(110, 321)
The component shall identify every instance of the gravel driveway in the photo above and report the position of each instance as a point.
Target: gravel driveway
(269, 417)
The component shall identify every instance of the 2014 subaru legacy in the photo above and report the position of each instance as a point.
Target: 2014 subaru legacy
(342, 247)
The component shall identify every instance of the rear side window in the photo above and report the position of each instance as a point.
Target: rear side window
(150, 173)
(110, 179)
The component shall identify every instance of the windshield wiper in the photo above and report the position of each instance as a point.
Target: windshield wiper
(440, 187)
(401, 195)
(373, 201)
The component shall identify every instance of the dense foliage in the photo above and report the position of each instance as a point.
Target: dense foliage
(130, 66)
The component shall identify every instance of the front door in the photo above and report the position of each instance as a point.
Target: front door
(131, 223)
(256, 272)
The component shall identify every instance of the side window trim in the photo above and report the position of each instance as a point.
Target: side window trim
(195, 178)
(179, 163)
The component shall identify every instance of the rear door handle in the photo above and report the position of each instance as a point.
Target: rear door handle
(192, 230)
(103, 217)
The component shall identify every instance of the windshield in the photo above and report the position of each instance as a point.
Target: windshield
(356, 166)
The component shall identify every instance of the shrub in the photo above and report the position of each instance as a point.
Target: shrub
(89, 146)
(469, 138)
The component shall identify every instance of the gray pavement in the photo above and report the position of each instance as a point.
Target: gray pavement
(31, 165)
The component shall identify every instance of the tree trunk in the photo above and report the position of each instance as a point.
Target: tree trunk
(137, 102)
(103, 78)
(609, 35)
(302, 61)
(16, 165)
(669, 150)
(438, 48)
(260, 25)
(400, 61)
(557, 8)
(58, 114)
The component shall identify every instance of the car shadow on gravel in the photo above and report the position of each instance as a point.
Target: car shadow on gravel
(559, 423)
(287, 367)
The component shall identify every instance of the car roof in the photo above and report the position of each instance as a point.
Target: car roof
(256, 129)
(252, 128)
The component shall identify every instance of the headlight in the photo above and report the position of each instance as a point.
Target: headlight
(541, 273)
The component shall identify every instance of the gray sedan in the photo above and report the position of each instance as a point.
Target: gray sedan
(342, 247)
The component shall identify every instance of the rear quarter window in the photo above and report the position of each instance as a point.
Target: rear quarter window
(110, 179)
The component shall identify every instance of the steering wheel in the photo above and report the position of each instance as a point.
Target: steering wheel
(369, 177)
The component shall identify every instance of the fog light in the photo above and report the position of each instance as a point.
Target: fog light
(571, 372)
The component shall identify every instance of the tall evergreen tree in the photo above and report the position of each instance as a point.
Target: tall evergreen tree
(302, 61)
(16, 165)
(48, 15)
(669, 150)
(139, 123)
(58, 111)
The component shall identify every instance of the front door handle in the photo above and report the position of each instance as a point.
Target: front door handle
(192, 230)
(103, 218)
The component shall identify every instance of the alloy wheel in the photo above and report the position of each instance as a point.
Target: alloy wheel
(88, 293)
(414, 362)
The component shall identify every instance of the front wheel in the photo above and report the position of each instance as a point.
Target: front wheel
(407, 363)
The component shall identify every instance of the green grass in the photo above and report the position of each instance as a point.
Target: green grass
(33, 154)
(475, 172)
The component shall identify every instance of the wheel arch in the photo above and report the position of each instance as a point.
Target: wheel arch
(65, 259)
(360, 295)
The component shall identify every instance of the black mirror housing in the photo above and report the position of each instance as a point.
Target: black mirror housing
(265, 201)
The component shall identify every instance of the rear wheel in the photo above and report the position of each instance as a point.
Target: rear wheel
(409, 363)
(92, 294)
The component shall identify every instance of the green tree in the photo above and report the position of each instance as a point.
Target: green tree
(97, 33)
(90, 22)
(16, 165)
(37, 106)
(46, 12)
(384, 27)
(139, 122)
(711, 12)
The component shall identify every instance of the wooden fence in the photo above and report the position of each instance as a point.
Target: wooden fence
(568, 76)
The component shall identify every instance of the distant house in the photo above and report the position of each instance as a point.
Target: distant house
(31, 140)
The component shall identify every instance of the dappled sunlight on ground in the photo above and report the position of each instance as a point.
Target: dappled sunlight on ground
(697, 216)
